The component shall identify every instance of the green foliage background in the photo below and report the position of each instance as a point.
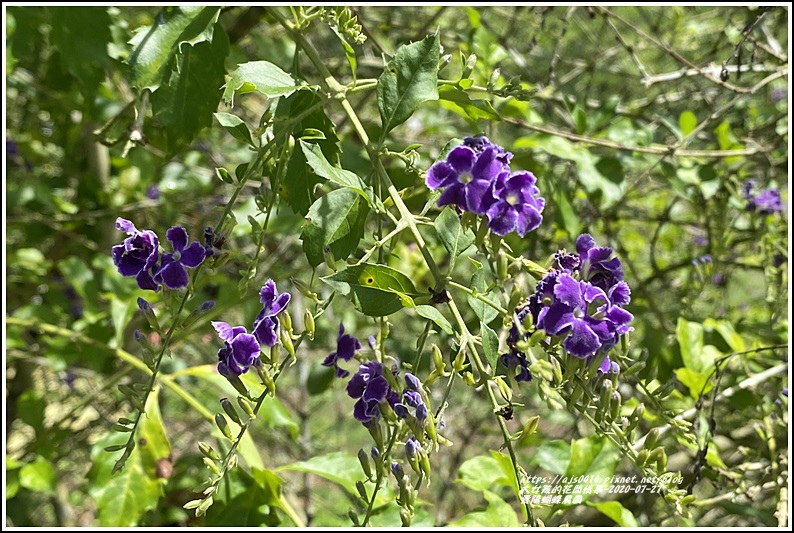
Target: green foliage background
(636, 133)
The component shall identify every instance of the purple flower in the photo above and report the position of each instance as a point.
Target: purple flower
(584, 315)
(517, 205)
(172, 272)
(516, 360)
(153, 193)
(266, 322)
(346, 347)
(370, 387)
(466, 177)
(412, 447)
(240, 351)
(481, 143)
(765, 201)
(412, 382)
(137, 255)
(596, 266)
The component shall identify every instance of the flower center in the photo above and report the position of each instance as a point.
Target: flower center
(465, 177)
(578, 312)
(176, 255)
(513, 198)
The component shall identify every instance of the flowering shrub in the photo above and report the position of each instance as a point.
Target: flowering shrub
(570, 287)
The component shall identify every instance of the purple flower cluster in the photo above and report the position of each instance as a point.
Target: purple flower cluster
(765, 201)
(476, 177)
(139, 256)
(241, 349)
(370, 387)
(412, 398)
(582, 300)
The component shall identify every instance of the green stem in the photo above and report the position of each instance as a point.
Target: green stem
(379, 478)
(478, 296)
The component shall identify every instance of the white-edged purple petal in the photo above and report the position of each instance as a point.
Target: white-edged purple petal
(193, 255)
(453, 195)
(461, 158)
(440, 175)
(582, 342)
(620, 293)
(178, 237)
(267, 295)
(126, 226)
(173, 275)
(569, 291)
(528, 219)
(475, 192)
(281, 303)
(584, 242)
(556, 319)
(266, 331)
(502, 218)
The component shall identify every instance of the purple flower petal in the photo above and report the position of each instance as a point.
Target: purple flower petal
(341, 372)
(356, 385)
(412, 382)
(281, 303)
(330, 359)
(412, 398)
(523, 181)
(178, 237)
(475, 193)
(455, 194)
(620, 293)
(461, 158)
(528, 220)
(146, 281)
(245, 350)
(401, 410)
(582, 342)
(606, 365)
(193, 255)
(267, 295)
(584, 242)
(568, 291)
(440, 175)
(174, 275)
(225, 331)
(126, 226)
(376, 389)
(556, 319)
(502, 218)
(266, 331)
(487, 167)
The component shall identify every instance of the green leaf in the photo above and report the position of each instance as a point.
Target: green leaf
(431, 313)
(235, 126)
(454, 238)
(320, 379)
(275, 415)
(341, 468)
(588, 174)
(83, 54)
(695, 381)
(409, 79)
(480, 473)
(615, 510)
(262, 77)
(567, 214)
(593, 456)
(156, 46)
(297, 188)
(687, 121)
(375, 290)
(350, 53)
(184, 104)
(345, 178)
(123, 498)
(336, 221)
(690, 342)
(725, 329)
(553, 456)
(38, 476)
(499, 513)
(484, 312)
(465, 106)
(490, 345)
(246, 500)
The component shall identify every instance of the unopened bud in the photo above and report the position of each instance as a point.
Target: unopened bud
(230, 411)
(363, 459)
(468, 379)
(438, 360)
(471, 61)
(504, 389)
(208, 451)
(460, 360)
(286, 341)
(308, 323)
(651, 439)
(223, 425)
(211, 465)
(531, 426)
(246, 406)
(405, 517)
(328, 257)
(304, 289)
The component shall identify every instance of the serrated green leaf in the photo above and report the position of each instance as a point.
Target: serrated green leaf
(687, 122)
(465, 106)
(297, 188)
(235, 126)
(262, 77)
(499, 513)
(184, 104)
(156, 46)
(336, 221)
(490, 345)
(484, 312)
(375, 290)
(409, 79)
(123, 498)
(431, 313)
(315, 158)
(454, 238)
(83, 54)
(615, 510)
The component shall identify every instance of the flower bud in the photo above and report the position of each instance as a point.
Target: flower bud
(148, 313)
(504, 389)
(223, 425)
(460, 360)
(651, 439)
(614, 405)
(286, 341)
(469, 67)
(308, 323)
(530, 427)
(634, 369)
(208, 451)
(230, 411)
(363, 459)
(211, 465)
(246, 406)
(351, 514)
(361, 490)
(304, 289)
(405, 517)
(468, 379)
(328, 257)
(397, 470)
(438, 360)
(286, 321)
